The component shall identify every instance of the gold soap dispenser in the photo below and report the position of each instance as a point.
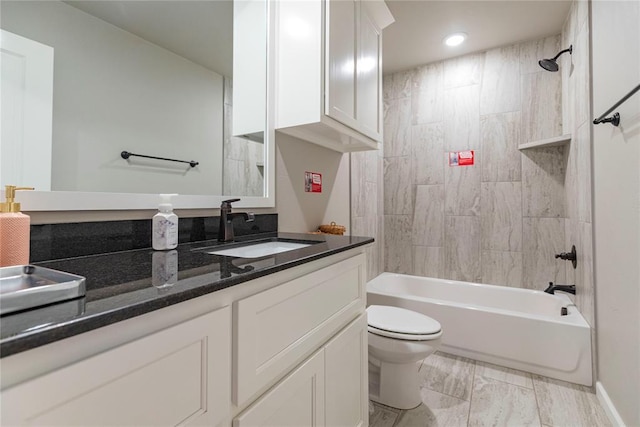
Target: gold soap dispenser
(14, 230)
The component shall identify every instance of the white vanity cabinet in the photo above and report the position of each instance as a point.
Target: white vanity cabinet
(177, 376)
(328, 75)
(288, 348)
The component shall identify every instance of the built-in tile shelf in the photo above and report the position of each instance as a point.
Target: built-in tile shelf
(549, 142)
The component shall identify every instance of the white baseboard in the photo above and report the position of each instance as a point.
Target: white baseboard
(608, 406)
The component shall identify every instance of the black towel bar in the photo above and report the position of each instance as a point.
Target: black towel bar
(126, 155)
(615, 119)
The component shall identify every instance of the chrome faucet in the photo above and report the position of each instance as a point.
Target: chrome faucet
(571, 289)
(225, 231)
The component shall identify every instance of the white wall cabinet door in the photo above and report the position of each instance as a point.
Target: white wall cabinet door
(341, 44)
(346, 370)
(297, 401)
(178, 376)
(328, 79)
(369, 74)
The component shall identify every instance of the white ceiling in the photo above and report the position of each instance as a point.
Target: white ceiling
(202, 30)
(421, 25)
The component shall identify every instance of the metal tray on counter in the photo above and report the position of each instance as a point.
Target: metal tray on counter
(28, 286)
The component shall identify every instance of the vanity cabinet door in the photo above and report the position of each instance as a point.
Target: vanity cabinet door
(178, 376)
(346, 376)
(278, 328)
(296, 401)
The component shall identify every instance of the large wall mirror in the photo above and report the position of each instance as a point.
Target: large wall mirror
(181, 86)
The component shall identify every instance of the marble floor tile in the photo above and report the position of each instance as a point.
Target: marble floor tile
(507, 375)
(436, 410)
(565, 404)
(383, 416)
(496, 403)
(448, 374)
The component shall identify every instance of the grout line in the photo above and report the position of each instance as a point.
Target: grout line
(473, 384)
(535, 394)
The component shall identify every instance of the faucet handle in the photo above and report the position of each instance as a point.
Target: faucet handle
(227, 203)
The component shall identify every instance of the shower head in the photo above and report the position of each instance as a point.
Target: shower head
(551, 64)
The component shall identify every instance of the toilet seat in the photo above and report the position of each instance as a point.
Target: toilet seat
(400, 323)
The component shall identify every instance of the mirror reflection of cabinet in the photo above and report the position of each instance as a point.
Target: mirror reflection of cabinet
(334, 101)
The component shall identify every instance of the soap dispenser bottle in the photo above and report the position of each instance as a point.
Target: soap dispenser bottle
(165, 225)
(14, 230)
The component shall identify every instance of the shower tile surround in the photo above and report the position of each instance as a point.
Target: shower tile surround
(457, 391)
(502, 220)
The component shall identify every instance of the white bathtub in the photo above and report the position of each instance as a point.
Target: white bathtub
(517, 328)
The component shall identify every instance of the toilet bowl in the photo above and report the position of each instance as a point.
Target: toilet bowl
(398, 338)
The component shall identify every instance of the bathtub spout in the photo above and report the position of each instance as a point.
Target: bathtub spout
(571, 289)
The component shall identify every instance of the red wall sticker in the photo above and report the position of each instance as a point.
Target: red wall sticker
(461, 158)
(313, 182)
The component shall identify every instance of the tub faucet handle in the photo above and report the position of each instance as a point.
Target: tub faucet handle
(569, 256)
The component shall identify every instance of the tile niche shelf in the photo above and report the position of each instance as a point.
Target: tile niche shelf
(549, 142)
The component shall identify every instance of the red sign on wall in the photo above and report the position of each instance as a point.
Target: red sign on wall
(461, 158)
(313, 182)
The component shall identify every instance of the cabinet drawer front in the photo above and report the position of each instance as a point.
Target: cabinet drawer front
(176, 376)
(277, 328)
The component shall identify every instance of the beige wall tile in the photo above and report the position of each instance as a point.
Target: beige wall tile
(397, 186)
(543, 182)
(462, 118)
(397, 244)
(499, 140)
(397, 85)
(427, 146)
(463, 71)
(428, 216)
(501, 213)
(542, 239)
(541, 106)
(462, 189)
(500, 90)
(397, 127)
(533, 51)
(428, 261)
(462, 248)
(502, 268)
(427, 94)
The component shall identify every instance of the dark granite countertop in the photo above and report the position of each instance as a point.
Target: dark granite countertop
(122, 285)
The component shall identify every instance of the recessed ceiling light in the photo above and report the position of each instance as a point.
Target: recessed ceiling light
(455, 39)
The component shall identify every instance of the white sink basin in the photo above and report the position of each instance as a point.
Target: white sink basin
(258, 250)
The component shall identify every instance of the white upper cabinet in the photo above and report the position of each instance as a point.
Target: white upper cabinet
(329, 75)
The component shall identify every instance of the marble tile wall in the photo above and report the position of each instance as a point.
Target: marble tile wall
(367, 205)
(501, 220)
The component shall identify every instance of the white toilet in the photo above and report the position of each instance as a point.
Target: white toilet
(398, 338)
